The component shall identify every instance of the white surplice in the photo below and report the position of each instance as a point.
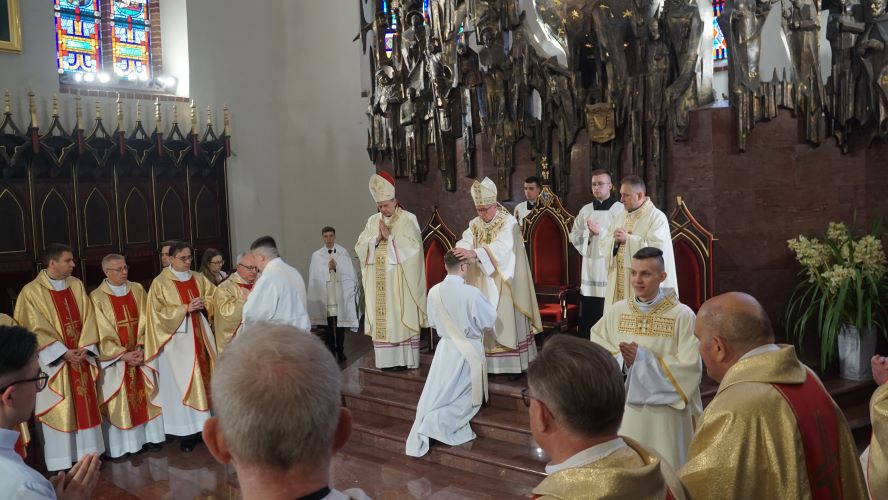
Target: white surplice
(663, 384)
(278, 297)
(647, 227)
(456, 383)
(332, 292)
(593, 278)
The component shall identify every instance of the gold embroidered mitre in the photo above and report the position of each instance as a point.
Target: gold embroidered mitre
(381, 188)
(484, 192)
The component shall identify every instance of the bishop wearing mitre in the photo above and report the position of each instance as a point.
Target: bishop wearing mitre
(493, 243)
(393, 274)
(132, 421)
(230, 297)
(179, 339)
(57, 309)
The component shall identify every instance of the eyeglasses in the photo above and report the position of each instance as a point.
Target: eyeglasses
(249, 268)
(118, 269)
(525, 398)
(41, 379)
(217, 262)
(186, 258)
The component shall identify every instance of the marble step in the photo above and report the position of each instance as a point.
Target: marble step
(493, 458)
(511, 426)
(395, 475)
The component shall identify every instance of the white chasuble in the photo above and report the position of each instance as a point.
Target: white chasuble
(393, 275)
(332, 291)
(502, 273)
(663, 384)
(647, 227)
(457, 381)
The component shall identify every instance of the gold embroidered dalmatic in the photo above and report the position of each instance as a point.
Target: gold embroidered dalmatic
(629, 473)
(647, 227)
(69, 403)
(126, 390)
(748, 443)
(877, 463)
(164, 314)
(393, 275)
(229, 300)
(663, 419)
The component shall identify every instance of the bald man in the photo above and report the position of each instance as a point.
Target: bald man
(772, 431)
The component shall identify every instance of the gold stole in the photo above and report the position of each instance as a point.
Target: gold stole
(620, 259)
(188, 291)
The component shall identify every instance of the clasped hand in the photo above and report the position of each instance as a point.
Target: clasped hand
(629, 352)
(384, 232)
(621, 235)
(75, 356)
(196, 304)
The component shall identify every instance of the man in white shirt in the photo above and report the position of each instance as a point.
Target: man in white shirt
(575, 398)
(279, 445)
(532, 188)
(20, 380)
(279, 294)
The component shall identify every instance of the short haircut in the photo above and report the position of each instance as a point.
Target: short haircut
(166, 243)
(533, 180)
(634, 181)
(651, 253)
(17, 347)
(581, 384)
(276, 392)
(266, 246)
(54, 251)
(328, 229)
(240, 257)
(601, 171)
(178, 246)
(111, 257)
(451, 261)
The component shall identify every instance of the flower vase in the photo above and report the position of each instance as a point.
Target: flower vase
(856, 349)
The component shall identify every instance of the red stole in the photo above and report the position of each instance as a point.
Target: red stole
(187, 292)
(818, 427)
(126, 317)
(83, 385)
(248, 286)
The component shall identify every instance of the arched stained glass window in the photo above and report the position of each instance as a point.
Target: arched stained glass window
(719, 45)
(78, 36)
(131, 43)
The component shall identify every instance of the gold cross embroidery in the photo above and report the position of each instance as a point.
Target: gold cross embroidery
(70, 328)
(128, 322)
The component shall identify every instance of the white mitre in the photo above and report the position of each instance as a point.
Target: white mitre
(381, 188)
(484, 192)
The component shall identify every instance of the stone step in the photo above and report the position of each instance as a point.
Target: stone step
(511, 426)
(500, 460)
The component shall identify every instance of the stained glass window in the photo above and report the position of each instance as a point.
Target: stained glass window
(131, 45)
(391, 30)
(719, 45)
(78, 39)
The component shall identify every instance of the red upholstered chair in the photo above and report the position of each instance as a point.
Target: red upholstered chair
(554, 262)
(437, 239)
(692, 245)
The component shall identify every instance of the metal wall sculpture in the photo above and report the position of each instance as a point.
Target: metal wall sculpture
(100, 192)
(444, 70)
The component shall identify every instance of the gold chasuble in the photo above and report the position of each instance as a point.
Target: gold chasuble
(629, 473)
(167, 308)
(393, 275)
(229, 300)
(877, 462)
(70, 402)
(21, 446)
(126, 390)
(772, 432)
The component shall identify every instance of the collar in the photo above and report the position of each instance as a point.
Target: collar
(774, 367)
(643, 207)
(57, 285)
(455, 278)
(118, 290)
(181, 275)
(316, 495)
(8, 439)
(588, 456)
(646, 307)
(605, 204)
(762, 349)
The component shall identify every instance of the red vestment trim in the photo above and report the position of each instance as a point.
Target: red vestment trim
(188, 291)
(248, 286)
(83, 385)
(818, 426)
(126, 316)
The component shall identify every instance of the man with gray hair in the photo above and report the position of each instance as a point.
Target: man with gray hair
(575, 400)
(279, 294)
(230, 297)
(280, 421)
